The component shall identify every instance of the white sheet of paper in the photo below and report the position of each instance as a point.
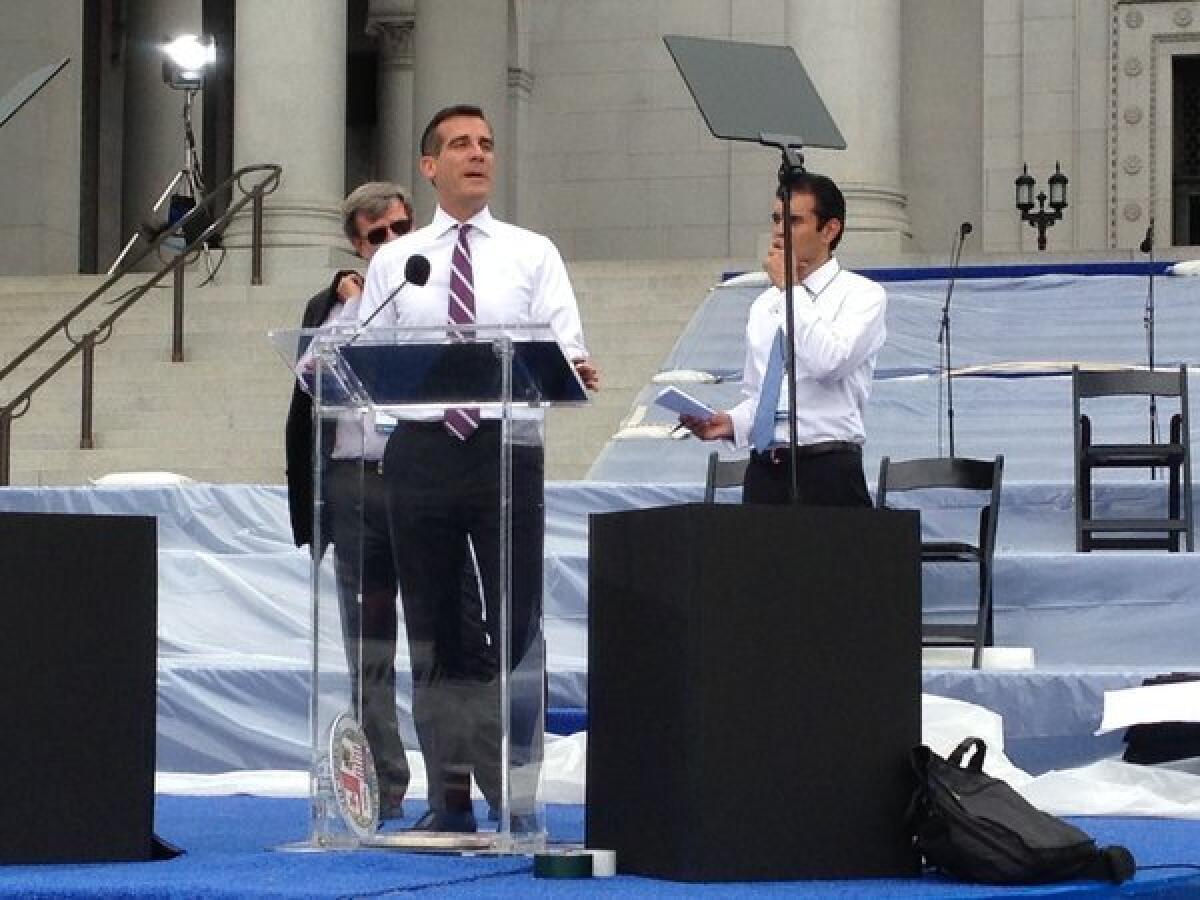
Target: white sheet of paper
(683, 403)
(1156, 703)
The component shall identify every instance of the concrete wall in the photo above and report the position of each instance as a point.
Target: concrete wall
(1046, 100)
(619, 161)
(601, 146)
(39, 147)
(942, 105)
(621, 164)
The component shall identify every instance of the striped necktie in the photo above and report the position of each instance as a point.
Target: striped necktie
(461, 421)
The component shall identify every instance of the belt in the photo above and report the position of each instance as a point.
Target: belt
(367, 465)
(778, 455)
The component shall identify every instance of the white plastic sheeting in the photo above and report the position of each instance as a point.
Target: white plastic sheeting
(234, 619)
(1105, 788)
(563, 774)
(234, 614)
(1108, 787)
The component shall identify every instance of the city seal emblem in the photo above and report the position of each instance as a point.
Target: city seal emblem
(355, 784)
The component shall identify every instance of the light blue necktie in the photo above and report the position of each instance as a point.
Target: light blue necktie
(762, 432)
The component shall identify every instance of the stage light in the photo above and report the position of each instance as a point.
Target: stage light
(185, 60)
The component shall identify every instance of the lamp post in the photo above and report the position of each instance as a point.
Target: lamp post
(1043, 218)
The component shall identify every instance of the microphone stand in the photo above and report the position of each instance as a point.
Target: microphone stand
(1148, 323)
(956, 249)
(793, 162)
(417, 275)
(376, 311)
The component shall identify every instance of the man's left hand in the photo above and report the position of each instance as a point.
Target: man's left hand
(588, 373)
(718, 426)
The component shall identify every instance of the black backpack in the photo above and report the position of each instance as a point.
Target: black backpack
(976, 828)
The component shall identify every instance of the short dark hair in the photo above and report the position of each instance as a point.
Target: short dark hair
(828, 201)
(372, 199)
(431, 141)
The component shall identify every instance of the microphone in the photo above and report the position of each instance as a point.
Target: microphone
(964, 229)
(1148, 240)
(416, 271)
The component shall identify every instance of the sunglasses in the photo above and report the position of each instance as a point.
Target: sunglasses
(379, 233)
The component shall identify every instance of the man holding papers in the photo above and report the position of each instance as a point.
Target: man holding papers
(839, 332)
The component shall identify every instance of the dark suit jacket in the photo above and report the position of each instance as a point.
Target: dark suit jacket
(298, 434)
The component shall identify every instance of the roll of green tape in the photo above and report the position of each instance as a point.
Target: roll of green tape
(562, 865)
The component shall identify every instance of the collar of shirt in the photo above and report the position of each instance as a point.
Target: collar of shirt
(817, 281)
(443, 222)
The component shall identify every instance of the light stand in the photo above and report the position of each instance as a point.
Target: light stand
(944, 339)
(184, 61)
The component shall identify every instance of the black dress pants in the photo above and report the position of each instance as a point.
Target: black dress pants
(833, 478)
(443, 493)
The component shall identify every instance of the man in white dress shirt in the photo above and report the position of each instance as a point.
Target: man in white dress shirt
(839, 332)
(441, 469)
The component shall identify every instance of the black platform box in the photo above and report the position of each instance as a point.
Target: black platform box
(754, 691)
(77, 700)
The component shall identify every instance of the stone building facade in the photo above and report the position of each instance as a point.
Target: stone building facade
(941, 102)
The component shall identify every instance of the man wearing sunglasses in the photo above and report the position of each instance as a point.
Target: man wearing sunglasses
(354, 510)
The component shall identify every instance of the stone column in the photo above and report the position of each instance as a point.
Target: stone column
(851, 51)
(460, 52)
(517, 159)
(391, 22)
(154, 142)
(290, 108)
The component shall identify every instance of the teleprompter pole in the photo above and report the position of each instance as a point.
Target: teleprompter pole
(792, 164)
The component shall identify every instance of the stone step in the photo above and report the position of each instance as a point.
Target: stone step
(141, 459)
(219, 415)
(22, 326)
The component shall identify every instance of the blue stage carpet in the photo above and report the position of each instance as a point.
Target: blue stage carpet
(230, 841)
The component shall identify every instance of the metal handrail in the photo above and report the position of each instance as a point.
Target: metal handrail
(19, 405)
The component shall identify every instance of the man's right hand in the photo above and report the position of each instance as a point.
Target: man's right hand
(350, 286)
(718, 426)
(773, 264)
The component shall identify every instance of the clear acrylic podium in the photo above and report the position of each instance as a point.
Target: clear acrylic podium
(478, 717)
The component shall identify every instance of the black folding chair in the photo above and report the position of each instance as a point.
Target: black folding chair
(723, 473)
(982, 478)
(1175, 456)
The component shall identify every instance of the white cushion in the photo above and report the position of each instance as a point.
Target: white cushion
(132, 478)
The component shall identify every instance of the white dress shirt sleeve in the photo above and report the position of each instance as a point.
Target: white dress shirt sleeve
(554, 302)
(833, 349)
